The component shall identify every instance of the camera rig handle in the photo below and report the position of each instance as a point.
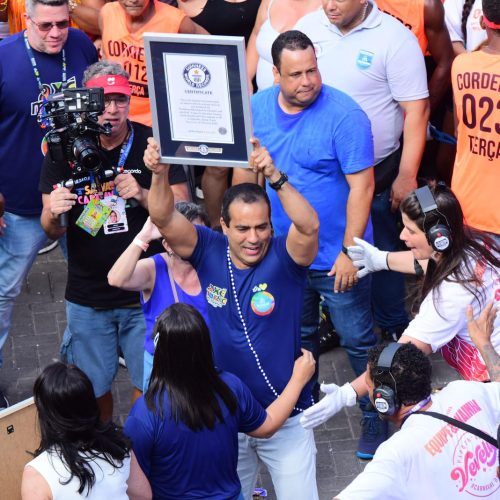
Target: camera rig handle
(106, 174)
(64, 218)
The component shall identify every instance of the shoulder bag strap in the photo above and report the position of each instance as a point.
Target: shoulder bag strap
(461, 425)
(172, 283)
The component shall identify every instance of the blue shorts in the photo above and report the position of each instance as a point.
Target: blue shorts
(92, 340)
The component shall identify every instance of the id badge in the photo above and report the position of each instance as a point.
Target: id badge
(93, 216)
(117, 219)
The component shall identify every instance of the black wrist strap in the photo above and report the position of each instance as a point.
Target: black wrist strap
(461, 425)
(418, 268)
(279, 183)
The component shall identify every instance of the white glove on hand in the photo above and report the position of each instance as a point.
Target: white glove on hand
(367, 257)
(336, 398)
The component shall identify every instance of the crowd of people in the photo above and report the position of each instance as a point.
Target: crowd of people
(216, 308)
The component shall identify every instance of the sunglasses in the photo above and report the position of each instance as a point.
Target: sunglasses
(120, 102)
(46, 26)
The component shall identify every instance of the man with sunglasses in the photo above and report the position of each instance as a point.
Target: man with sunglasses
(102, 318)
(34, 63)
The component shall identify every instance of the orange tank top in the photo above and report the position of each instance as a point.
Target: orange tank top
(475, 78)
(120, 45)
(411, 14)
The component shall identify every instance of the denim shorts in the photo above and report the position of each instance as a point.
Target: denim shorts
(92, 340)
(148, 368)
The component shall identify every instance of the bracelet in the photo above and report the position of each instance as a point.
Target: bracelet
(141, 244)
(344, 250)
(387, 261)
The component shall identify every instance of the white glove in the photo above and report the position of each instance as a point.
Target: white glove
(368, 257)
(336, 398)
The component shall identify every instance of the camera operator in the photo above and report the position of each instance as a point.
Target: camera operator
(102, 318)
(34, 63)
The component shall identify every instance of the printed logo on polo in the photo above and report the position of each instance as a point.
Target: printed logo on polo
(216, 296)
(365, 59)
(262, 302)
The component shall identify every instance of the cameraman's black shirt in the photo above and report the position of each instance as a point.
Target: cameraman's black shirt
(91, 257)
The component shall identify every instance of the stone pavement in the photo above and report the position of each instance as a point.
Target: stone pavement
(38, 324)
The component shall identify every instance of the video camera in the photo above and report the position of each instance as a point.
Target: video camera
(75, 136)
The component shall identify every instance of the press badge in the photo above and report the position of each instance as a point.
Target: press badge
(93, 216)
(117, 219)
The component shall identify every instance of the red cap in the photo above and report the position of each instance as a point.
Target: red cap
(112, 84)
(490, 24)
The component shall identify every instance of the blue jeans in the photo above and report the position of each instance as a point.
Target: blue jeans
(350, 312)
(92, 338)
(148, 368)
(19, 246)
(290, 457)
(388, 287)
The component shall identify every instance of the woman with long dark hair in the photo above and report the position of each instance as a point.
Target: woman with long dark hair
(460, 268)
(184, 429)
(79, 456)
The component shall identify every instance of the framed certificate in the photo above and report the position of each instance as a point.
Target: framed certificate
(199, 98)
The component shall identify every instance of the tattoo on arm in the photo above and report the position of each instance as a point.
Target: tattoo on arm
(492, 360)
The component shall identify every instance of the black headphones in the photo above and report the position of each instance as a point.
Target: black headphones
(384, 397)
(438, 235)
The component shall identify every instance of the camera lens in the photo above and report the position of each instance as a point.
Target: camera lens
(86, 154)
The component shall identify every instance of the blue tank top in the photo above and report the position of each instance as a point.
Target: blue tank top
(162, 297)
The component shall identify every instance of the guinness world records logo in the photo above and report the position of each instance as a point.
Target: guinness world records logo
(196, 75)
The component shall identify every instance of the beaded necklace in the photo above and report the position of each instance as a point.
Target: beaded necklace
(247, 336)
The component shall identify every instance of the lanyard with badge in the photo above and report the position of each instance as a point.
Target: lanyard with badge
(36, 71)
(109, 212)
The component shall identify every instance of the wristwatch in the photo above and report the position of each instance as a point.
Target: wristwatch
(277, 185)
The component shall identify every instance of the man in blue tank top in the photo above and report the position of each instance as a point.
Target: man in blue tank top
(253, 283)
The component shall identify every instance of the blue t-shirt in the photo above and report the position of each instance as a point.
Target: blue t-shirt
(270, 295)
(182, 464)
(21, 155)
(316, 148)
(162, 297)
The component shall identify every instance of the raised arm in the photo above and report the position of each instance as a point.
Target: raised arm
(302, 239)
(281, 408)
(130, 273)
(440, 48)
(173, 226)
(480, 331)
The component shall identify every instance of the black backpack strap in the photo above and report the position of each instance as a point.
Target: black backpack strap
(463, 426)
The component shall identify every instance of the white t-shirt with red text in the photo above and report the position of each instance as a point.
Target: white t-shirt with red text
(430, 459)
(441, 322)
